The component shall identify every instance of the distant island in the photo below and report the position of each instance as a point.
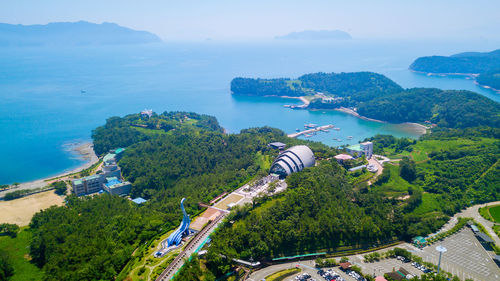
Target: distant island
(72, 33)
(375, 97)
(484, 67)
(316, 35)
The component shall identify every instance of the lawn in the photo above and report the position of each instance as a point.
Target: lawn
(396, 185)
(429, 204)
(17, 249)
(280, 275)
(495, 213)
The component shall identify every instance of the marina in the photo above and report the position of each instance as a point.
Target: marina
(310, 132)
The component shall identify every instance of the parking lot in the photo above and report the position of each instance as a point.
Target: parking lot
(465, 257)
(386, 265)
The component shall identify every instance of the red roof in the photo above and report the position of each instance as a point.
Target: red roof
(345, 265)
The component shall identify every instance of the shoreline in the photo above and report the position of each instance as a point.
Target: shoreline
(416, 127)
(487, 87)
(470, 75)
(84, 151)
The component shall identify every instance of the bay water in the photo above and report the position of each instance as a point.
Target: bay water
(53, 97)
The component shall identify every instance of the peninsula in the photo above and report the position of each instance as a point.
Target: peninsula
(483, 67)
(375, 97)
(72, 34)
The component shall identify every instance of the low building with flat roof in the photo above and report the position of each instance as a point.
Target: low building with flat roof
(342, 157)
(277, 145)
(139, 200)
(483, 238)
(117, 187)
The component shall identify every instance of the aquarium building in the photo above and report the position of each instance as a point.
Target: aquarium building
(293, 160)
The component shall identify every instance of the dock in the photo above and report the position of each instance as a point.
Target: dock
(317, 129)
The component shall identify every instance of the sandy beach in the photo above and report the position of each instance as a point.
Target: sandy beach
(85, 151)
(21, 210)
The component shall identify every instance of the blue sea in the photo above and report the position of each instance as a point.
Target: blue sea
(43, 109)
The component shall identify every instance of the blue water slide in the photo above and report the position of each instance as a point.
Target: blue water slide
(183, 230)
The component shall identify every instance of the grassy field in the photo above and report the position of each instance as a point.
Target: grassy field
(495, 213)
(396, 186)
(429, 204)
(280, 275)
(21, 210)
(17, 249)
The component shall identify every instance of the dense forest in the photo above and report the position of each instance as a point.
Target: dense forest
(450, 109)
(92, 238)
(487, 65)
(122, 132)
(376, 96)
(358, 84)
(469, 62)
(321, 210)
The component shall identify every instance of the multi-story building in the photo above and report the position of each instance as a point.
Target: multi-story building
(88, 185)
(358, 150)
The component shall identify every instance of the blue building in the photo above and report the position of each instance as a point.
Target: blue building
(183, 230)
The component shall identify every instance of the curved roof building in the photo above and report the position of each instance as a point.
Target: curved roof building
(293, 160)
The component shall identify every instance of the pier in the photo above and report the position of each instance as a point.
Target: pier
(317, 129)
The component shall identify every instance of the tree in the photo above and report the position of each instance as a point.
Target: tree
(60, 187)
(6, 269)
(407, 169)
(9, 229)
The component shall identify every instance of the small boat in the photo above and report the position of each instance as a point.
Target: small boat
(82, 92)
(310, 125)
(287, 105)
(349, 137)
(307, 135)
(297, 130)
(336, 129)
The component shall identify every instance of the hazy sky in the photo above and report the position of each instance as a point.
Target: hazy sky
(261, 19)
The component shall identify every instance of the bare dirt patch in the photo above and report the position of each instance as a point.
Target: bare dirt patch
(233, 198)
(20, 211)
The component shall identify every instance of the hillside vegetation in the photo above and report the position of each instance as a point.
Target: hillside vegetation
(487, 65)
(320, 211)
(470, 62)
(169, 156)
(376, 96)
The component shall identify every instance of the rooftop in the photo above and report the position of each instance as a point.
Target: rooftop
(139, 200)
(92, 177)
(356, 147)
(366, 143)
(484, 237)
(109, 157)
(343, 157)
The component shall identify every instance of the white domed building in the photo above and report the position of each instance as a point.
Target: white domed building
(293, 160)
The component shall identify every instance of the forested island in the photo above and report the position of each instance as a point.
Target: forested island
(377, 97)
(72, 33)
(485, 67)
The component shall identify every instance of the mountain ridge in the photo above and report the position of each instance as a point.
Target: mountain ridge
(72, 33)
